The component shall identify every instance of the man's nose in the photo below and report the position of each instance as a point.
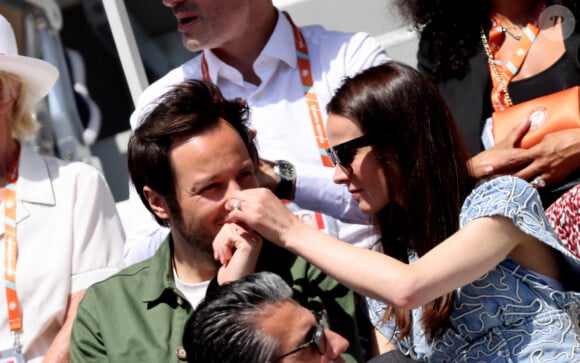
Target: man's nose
(234, 186)
(335, 344)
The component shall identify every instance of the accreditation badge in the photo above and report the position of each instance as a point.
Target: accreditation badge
(11, 356)
(316, 220)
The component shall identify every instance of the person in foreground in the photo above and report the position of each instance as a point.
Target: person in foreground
(60, 231)
(469, 271)
(254, 319)
(191, 152)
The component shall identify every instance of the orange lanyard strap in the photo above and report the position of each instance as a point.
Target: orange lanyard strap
(499, 98)
(10, 246)
(312, 103)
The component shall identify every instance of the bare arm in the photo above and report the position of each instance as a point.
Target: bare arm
(467, 255)
(59, 349)
(461, 259)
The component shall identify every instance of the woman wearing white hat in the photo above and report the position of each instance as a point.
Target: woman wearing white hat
(59, 228)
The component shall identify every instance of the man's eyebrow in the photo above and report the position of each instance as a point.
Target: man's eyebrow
(193, 187)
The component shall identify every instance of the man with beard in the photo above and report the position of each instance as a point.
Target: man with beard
(192, 150)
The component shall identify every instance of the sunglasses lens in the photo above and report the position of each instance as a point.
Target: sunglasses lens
(340, 157)
(332, 156)
(343, 154)
(345, 157)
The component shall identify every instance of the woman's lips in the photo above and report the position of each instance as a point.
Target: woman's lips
(355, 193)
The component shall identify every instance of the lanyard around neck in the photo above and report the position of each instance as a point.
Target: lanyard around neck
(303, 60)
(499, 96)
(10, 246)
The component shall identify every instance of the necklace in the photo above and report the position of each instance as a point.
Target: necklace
(491, 62)
(507, 31)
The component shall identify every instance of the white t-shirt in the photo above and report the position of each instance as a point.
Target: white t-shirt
(279, 114)
(194, 293)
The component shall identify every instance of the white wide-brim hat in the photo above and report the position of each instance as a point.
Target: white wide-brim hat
(37, 76)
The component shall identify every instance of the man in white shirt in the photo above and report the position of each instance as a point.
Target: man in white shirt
(252, 50)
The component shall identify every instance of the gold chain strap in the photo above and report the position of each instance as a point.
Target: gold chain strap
(491, 61)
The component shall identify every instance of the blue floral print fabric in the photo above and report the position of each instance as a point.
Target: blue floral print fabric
(510, 314)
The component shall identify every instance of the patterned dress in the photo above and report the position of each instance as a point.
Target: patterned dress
(564, 216)
(510, 314)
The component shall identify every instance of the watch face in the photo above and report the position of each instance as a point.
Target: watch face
(286, 169)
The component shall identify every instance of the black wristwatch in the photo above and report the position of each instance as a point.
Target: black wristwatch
(286, 179)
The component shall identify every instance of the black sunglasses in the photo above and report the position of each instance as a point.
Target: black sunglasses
(343, 154)
(318, 340)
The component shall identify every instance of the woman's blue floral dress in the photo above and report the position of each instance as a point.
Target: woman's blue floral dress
(510, 314)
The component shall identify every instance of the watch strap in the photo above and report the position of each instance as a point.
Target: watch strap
(285, 189)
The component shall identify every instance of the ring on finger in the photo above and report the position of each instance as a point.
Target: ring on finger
(538, 182)
(237, 205)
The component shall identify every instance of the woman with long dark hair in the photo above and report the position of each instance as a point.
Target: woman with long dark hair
(468, 270)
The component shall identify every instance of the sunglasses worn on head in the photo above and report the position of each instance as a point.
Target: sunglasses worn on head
(343, 154)
(318, 340)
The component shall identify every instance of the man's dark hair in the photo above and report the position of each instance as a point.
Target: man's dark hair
(187, 109)
(225, 327)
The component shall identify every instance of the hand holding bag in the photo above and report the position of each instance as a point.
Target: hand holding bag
(554, 112)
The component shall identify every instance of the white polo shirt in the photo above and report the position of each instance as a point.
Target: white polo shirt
(69, 237)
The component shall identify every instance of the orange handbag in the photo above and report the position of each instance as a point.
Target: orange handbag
(554, 112)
